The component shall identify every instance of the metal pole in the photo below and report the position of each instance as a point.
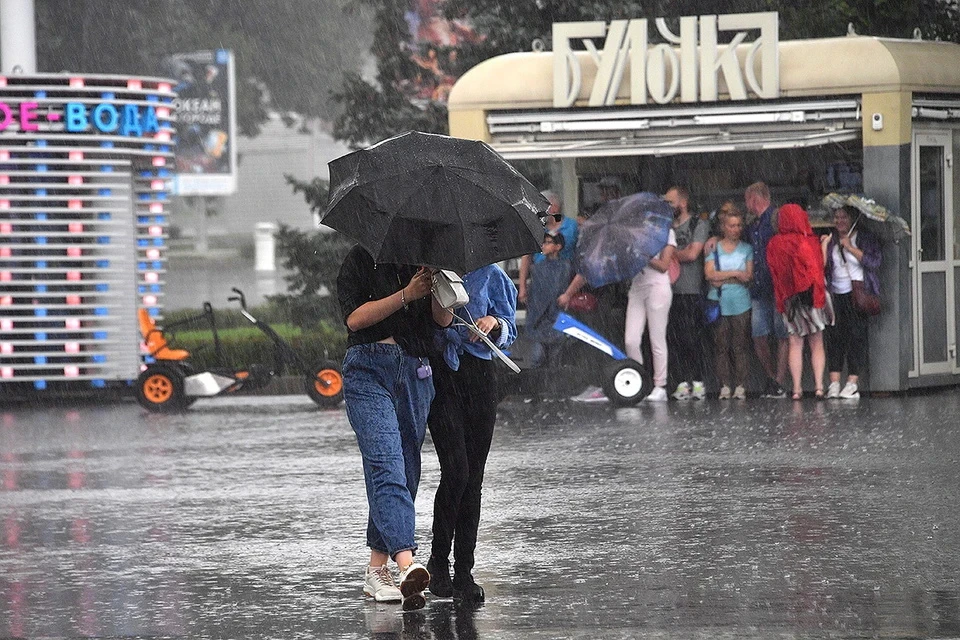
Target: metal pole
(18, 37)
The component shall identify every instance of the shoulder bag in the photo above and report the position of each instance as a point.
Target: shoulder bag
(863, 301)
(674, 269)
(583, 301)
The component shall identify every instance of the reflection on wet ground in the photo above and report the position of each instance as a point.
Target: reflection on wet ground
(244, 518)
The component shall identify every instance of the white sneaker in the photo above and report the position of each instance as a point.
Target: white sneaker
(659, 394)
(379, 585)
(850, 391)
(833, 390)
(682, 392)
(591, 394)
(739, 393)
(724, 392)
(413, 580)
(699, 391)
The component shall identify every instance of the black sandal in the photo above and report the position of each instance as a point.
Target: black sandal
(818, 394)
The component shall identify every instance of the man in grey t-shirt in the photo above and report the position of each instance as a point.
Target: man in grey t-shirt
(685, 327)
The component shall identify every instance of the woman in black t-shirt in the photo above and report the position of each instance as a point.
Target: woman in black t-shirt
(388, 387)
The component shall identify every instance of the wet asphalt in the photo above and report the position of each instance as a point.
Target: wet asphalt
(244, 518)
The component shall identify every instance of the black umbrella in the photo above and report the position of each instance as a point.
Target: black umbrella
(427, 199)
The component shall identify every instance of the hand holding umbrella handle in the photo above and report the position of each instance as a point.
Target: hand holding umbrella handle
(493, 348)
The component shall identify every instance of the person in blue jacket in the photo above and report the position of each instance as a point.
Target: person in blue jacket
(461, 422)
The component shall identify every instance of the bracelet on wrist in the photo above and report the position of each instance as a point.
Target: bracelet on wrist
(403, 300)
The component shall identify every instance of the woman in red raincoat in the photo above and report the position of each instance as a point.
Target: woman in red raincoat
(796, 265)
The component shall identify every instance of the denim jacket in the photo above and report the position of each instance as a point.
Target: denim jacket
(492, 293)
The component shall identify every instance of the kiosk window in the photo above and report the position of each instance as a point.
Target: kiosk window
(932, 221)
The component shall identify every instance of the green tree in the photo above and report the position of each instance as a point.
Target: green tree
(313, 259)
(289, 54)
(374, 111)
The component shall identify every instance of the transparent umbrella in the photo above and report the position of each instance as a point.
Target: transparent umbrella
(617, 241)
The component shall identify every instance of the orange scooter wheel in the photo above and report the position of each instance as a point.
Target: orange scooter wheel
(324, 384)
(160, 389)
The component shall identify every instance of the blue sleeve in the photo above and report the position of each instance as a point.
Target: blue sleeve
(574, 233)
(569, 230)
(502, 304)
(747, 251)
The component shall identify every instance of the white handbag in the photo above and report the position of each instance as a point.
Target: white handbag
(448, 289)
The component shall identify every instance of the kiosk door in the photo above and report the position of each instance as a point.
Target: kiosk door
(935, 252)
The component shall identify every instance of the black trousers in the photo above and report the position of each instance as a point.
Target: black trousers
(847, 339)
(461, 424)
(685, 332)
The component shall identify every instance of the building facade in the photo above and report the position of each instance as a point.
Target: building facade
(862, 114)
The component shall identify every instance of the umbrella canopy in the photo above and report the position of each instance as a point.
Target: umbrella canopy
(427, 199)
(895, 226)
(617, 241)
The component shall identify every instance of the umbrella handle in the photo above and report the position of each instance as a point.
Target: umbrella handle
(494, 348)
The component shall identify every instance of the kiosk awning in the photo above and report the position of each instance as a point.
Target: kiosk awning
(661, 132)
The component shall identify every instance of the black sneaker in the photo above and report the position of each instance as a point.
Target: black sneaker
(440, 583)
(466, 590)
(774, 390)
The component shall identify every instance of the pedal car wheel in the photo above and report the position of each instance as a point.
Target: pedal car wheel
(626, 382)
(160, 389)
(324, 385)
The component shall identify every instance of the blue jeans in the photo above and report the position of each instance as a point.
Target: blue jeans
(387, 405)
(765, 319)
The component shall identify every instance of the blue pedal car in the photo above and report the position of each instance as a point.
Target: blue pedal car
(624, 381)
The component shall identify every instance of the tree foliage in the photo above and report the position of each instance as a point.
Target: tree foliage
(376, 110)
(372, 111)
(313, 260)
(290, 54)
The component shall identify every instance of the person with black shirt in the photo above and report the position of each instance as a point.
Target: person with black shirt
(391, 319)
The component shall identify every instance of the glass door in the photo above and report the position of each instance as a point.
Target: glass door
(934, 254)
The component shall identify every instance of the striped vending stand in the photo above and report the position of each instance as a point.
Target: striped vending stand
(85, 164)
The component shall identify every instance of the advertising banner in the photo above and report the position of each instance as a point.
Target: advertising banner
(432, 45)
(205, 122)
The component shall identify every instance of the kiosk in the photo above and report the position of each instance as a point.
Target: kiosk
(85, 161)
(863, 114)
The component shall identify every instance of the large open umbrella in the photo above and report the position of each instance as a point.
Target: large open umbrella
(893, 226)
(617, 241)
(428, 199)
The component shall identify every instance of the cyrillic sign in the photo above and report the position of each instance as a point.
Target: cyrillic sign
(123, 120)
(78, 117)
(24, 115)
(662, 72)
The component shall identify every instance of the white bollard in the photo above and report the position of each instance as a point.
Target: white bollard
(265, 246)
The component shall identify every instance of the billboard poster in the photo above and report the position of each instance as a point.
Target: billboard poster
(432, 45)
(206, 122)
